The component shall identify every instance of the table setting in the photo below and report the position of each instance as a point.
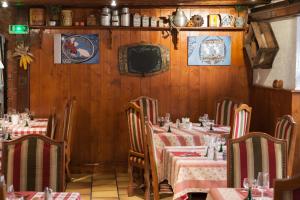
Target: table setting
(14, 125)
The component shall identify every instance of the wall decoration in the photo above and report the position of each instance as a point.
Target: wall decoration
(143, 59)
(75, 49)
(209, 50)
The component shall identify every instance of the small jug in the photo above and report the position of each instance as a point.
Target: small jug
(179, 19)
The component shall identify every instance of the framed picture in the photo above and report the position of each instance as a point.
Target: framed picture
(209, 50)
(76, 48)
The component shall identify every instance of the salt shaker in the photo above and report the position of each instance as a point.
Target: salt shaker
(48, 194)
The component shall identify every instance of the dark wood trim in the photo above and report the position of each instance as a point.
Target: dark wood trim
(271, 88)
(276, 12)
(143, 3)
(140, 28)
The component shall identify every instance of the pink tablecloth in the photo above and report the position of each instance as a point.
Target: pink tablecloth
(188, 171)
(235, 194)
(56, 195)
(181, 137)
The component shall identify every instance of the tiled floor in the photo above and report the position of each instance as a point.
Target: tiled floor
(103, 186)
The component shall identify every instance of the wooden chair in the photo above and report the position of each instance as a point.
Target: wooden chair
(253, 153)
(137, 154)
(158, 188)
(51, 127)
(241, 121)
(149, 107)
(285, 129)
(224, 111)
(33, 162)
(68, 129)
(287, 189)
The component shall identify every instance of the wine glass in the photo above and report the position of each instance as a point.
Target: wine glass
(262, 182)
(10, 192)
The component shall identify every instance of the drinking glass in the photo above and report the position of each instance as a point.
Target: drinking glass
(168, 117)
(262, 182)
(246, 183)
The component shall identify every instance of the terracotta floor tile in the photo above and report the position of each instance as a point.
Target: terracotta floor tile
(104, 187)
(104, 182)
(113, 193)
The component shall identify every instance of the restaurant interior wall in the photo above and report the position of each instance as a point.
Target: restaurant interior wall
(102, 93)
(284, 65)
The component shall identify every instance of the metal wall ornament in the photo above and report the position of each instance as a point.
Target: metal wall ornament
(143, 59)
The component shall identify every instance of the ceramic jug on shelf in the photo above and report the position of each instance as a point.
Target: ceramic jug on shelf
(179, 20)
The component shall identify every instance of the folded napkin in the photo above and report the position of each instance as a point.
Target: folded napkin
(37, 126)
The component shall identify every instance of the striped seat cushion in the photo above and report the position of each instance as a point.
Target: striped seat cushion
(224, 112)
(240, 124)
(33, 164)
(254, 155)
(137, 160)
(283, 130)
(149, 107)
(135, 130)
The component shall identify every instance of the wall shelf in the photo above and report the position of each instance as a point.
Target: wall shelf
(141, 28)
(174, 32)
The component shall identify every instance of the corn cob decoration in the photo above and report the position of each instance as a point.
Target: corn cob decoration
(25, 56)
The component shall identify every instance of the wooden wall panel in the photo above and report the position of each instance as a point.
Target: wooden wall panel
(268, 104)
(102, 93)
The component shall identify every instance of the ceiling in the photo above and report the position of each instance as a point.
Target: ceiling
(86, 3)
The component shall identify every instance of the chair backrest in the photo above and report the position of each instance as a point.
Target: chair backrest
(149, 107)
(33, 162)
(136, 128)
(241, 121)
(287, 189)
(285, 128)
(69, 119)
(51, 127)
(224, 111)
(253, 153)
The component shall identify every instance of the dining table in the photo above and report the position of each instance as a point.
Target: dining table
(40, 195)
(35, 126)
(187, 170)
(237, 194)
(174, 135)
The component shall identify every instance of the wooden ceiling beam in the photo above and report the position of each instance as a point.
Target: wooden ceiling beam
(87, 3)
(275, 11)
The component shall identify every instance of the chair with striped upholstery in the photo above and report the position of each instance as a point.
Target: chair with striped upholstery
(33, 162)
(224, 111)
(137, 154)
(285, 129)
(287, 189)
(158, 188)
(241, 121)
(149, 107)
(253, 153)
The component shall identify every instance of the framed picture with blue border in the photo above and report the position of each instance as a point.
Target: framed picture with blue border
(209, 50)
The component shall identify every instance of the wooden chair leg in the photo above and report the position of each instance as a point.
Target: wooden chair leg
(147, 184)
(155, 188)
(131, 186)
(68, 160)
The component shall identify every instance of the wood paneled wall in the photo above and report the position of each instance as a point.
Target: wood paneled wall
(268, 105)
(102, 93)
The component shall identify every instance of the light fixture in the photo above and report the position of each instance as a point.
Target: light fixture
(113, 3)
(4, 4)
